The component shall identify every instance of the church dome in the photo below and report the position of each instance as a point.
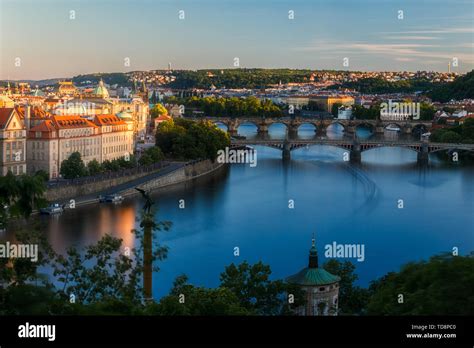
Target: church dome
(125, 115)
(101, 90)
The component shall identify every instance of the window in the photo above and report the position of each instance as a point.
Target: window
(322, 288)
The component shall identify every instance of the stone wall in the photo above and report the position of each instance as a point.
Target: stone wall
(189, 171)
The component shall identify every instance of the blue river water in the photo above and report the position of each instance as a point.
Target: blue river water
(248, 208)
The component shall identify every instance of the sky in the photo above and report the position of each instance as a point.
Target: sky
(42, 39)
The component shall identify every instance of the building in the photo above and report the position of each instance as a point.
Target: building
(325, 102)
(105, 137)
(344, 113)
(116, 137)
(66, 88)
(321, 288)
(55, 139)
(12, 142)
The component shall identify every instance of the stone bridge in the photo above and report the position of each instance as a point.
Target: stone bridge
(292, 124)
(356, 146)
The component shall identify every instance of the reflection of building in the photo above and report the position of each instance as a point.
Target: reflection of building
(12, 142)
(320, 286)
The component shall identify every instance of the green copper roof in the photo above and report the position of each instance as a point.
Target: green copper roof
(313, 276)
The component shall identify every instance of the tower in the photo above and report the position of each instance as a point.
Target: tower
(321, 288)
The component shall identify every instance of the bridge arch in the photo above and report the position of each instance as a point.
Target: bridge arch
(392, 124)
(366, 125)
(247, 127)
(380, 146)
(222, 125)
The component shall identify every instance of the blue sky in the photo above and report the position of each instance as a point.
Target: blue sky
(214, 32)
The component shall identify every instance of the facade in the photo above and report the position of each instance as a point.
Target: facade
(55, 139)
(320, 286)
(12, 142)
(344, 113)
(105, 137)
(116, 137)
(325, 102)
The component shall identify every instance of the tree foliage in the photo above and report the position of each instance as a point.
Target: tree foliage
(441, 286)
(185, 139)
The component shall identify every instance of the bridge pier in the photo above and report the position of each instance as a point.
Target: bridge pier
(379, 130)
(350, 129)
(262, 130)
(423, 156)
(293, 131)
(286, 153)
(356, 153)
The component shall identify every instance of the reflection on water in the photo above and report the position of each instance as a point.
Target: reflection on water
(248, 207)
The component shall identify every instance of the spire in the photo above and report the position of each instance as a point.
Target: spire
(313, 254)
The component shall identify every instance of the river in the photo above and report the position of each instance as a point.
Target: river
(247, 208)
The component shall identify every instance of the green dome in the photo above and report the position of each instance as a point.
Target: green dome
(313, 276)
(125, 115)
(101, 90)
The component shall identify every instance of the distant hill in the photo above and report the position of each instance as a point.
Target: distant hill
(33, 83)
(460, 88)
(121, 79)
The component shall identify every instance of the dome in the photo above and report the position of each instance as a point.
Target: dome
(125, 115)
(101, 90)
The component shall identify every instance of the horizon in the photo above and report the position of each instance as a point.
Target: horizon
(52, 41)
(242, 68)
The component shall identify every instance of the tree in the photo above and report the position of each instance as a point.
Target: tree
(335, 109)
(441, 286)
(451, 137)
(94, 167)
(251, 284)
(352, 299)
(186, 299)
(151, 155)
(158, 110)
(73, 167)
(186, 139)
(427, 112)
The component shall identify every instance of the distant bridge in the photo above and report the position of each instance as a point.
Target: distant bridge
(356, 146)
(292, 124)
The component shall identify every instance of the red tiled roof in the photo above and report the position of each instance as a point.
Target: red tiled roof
(5, 114)
(102, 120)
(71, 122)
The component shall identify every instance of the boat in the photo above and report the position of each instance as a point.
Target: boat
(52, 209)
(426, 135)
(113, 198)
(393, 128)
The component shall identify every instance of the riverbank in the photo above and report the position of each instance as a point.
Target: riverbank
(172, 174)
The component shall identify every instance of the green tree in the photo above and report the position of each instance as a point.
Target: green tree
(352, 299)
(256, 292)
(94, 167)
(73, 167)
(157, 110)
(198, 301)
(427, 112)
(451, 137)
(151, 155)
(441, 286)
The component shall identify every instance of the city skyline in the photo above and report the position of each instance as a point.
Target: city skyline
(102, 36)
